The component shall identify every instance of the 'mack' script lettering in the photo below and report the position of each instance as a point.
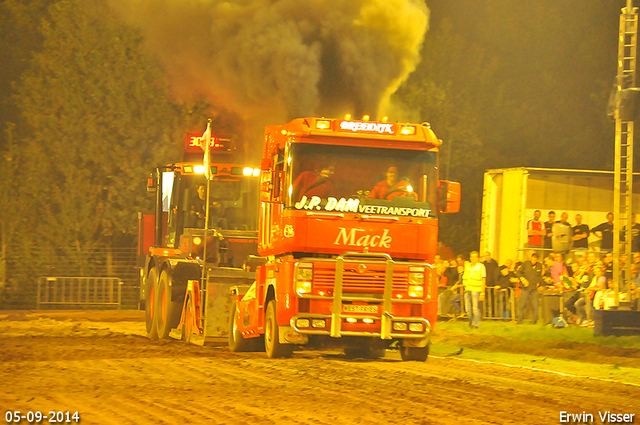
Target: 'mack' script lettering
(353, 205)
(355, 237)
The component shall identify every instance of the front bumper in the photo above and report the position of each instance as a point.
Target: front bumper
(383, 324)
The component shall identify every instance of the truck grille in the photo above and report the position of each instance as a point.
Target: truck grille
(370, 281)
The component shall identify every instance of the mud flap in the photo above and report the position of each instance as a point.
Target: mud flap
(288, 336)
(175, 333)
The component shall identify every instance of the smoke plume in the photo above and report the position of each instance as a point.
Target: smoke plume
(269, 61)
(284, 58)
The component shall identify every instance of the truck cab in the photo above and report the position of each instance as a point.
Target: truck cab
(349, 224)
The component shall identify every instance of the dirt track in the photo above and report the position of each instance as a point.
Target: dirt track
(110, 375)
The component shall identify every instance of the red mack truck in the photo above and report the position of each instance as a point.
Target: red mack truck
(348, 225)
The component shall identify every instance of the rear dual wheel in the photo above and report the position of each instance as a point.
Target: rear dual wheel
(167, 312)
(151, 284)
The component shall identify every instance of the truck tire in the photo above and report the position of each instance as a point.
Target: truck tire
(414, 353)
(187, 329)
(238, 343)
(151, 286)
(167, 312)
(271, 337)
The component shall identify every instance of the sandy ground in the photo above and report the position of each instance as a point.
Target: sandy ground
(100, 365)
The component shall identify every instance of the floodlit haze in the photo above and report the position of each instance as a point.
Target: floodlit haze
(282, 59)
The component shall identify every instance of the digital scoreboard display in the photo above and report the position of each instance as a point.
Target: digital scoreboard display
(193, 143)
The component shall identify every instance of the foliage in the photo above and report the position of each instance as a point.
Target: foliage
(95, 119)
(98, 118)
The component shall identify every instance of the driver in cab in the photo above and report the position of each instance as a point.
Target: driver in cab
(391, 187)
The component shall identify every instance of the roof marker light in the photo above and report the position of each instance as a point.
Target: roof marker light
(384, 119)
(323, 124)
(347, 117)
(366, 118)
(408, 129)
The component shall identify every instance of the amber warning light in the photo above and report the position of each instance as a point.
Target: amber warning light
(193, 143)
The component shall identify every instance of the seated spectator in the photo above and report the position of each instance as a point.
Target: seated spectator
(607, 259)
(584, 306)
(579, 281)
(605, 298)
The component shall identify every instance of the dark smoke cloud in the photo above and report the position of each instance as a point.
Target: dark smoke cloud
(281, 59)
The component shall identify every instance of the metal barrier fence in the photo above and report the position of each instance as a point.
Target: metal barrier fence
(79, 291)
(504, 305)
(499, 304)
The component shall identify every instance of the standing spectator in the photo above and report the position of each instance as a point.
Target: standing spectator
(474, 280)
(491, 267)
(530, 276)
(604, 231)
(505, 283)
(635, 234)
(580, 234)
(548, 230)
(535, 229)
(456, 299)
(561, 239)
(444, 298)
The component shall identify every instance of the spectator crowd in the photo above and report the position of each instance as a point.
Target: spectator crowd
(559, 276)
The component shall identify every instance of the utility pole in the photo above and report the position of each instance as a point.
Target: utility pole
(623, 171)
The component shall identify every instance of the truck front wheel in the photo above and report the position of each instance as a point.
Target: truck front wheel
(418, 354)
(237, 342)
(167, 312)
(272, 337)
(151, 285)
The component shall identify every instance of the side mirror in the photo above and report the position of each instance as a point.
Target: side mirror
(151, 184)
(266, 186)
(266, 164)
(449, 199)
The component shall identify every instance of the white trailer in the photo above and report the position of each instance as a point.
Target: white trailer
(511, 195)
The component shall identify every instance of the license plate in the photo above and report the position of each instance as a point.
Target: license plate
(350, 308)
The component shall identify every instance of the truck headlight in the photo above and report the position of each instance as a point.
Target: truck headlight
(304, 277)
(399, 326)
(415, 327)
(302, 323)
(416, 282)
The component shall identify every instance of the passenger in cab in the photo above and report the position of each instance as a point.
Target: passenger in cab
(314, 183)
(392, 186)
(199, 205)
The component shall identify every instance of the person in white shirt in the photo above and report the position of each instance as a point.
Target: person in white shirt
(474, 280)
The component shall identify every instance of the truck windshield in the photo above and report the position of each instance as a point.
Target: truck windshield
(233, 202)
(361, 179)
